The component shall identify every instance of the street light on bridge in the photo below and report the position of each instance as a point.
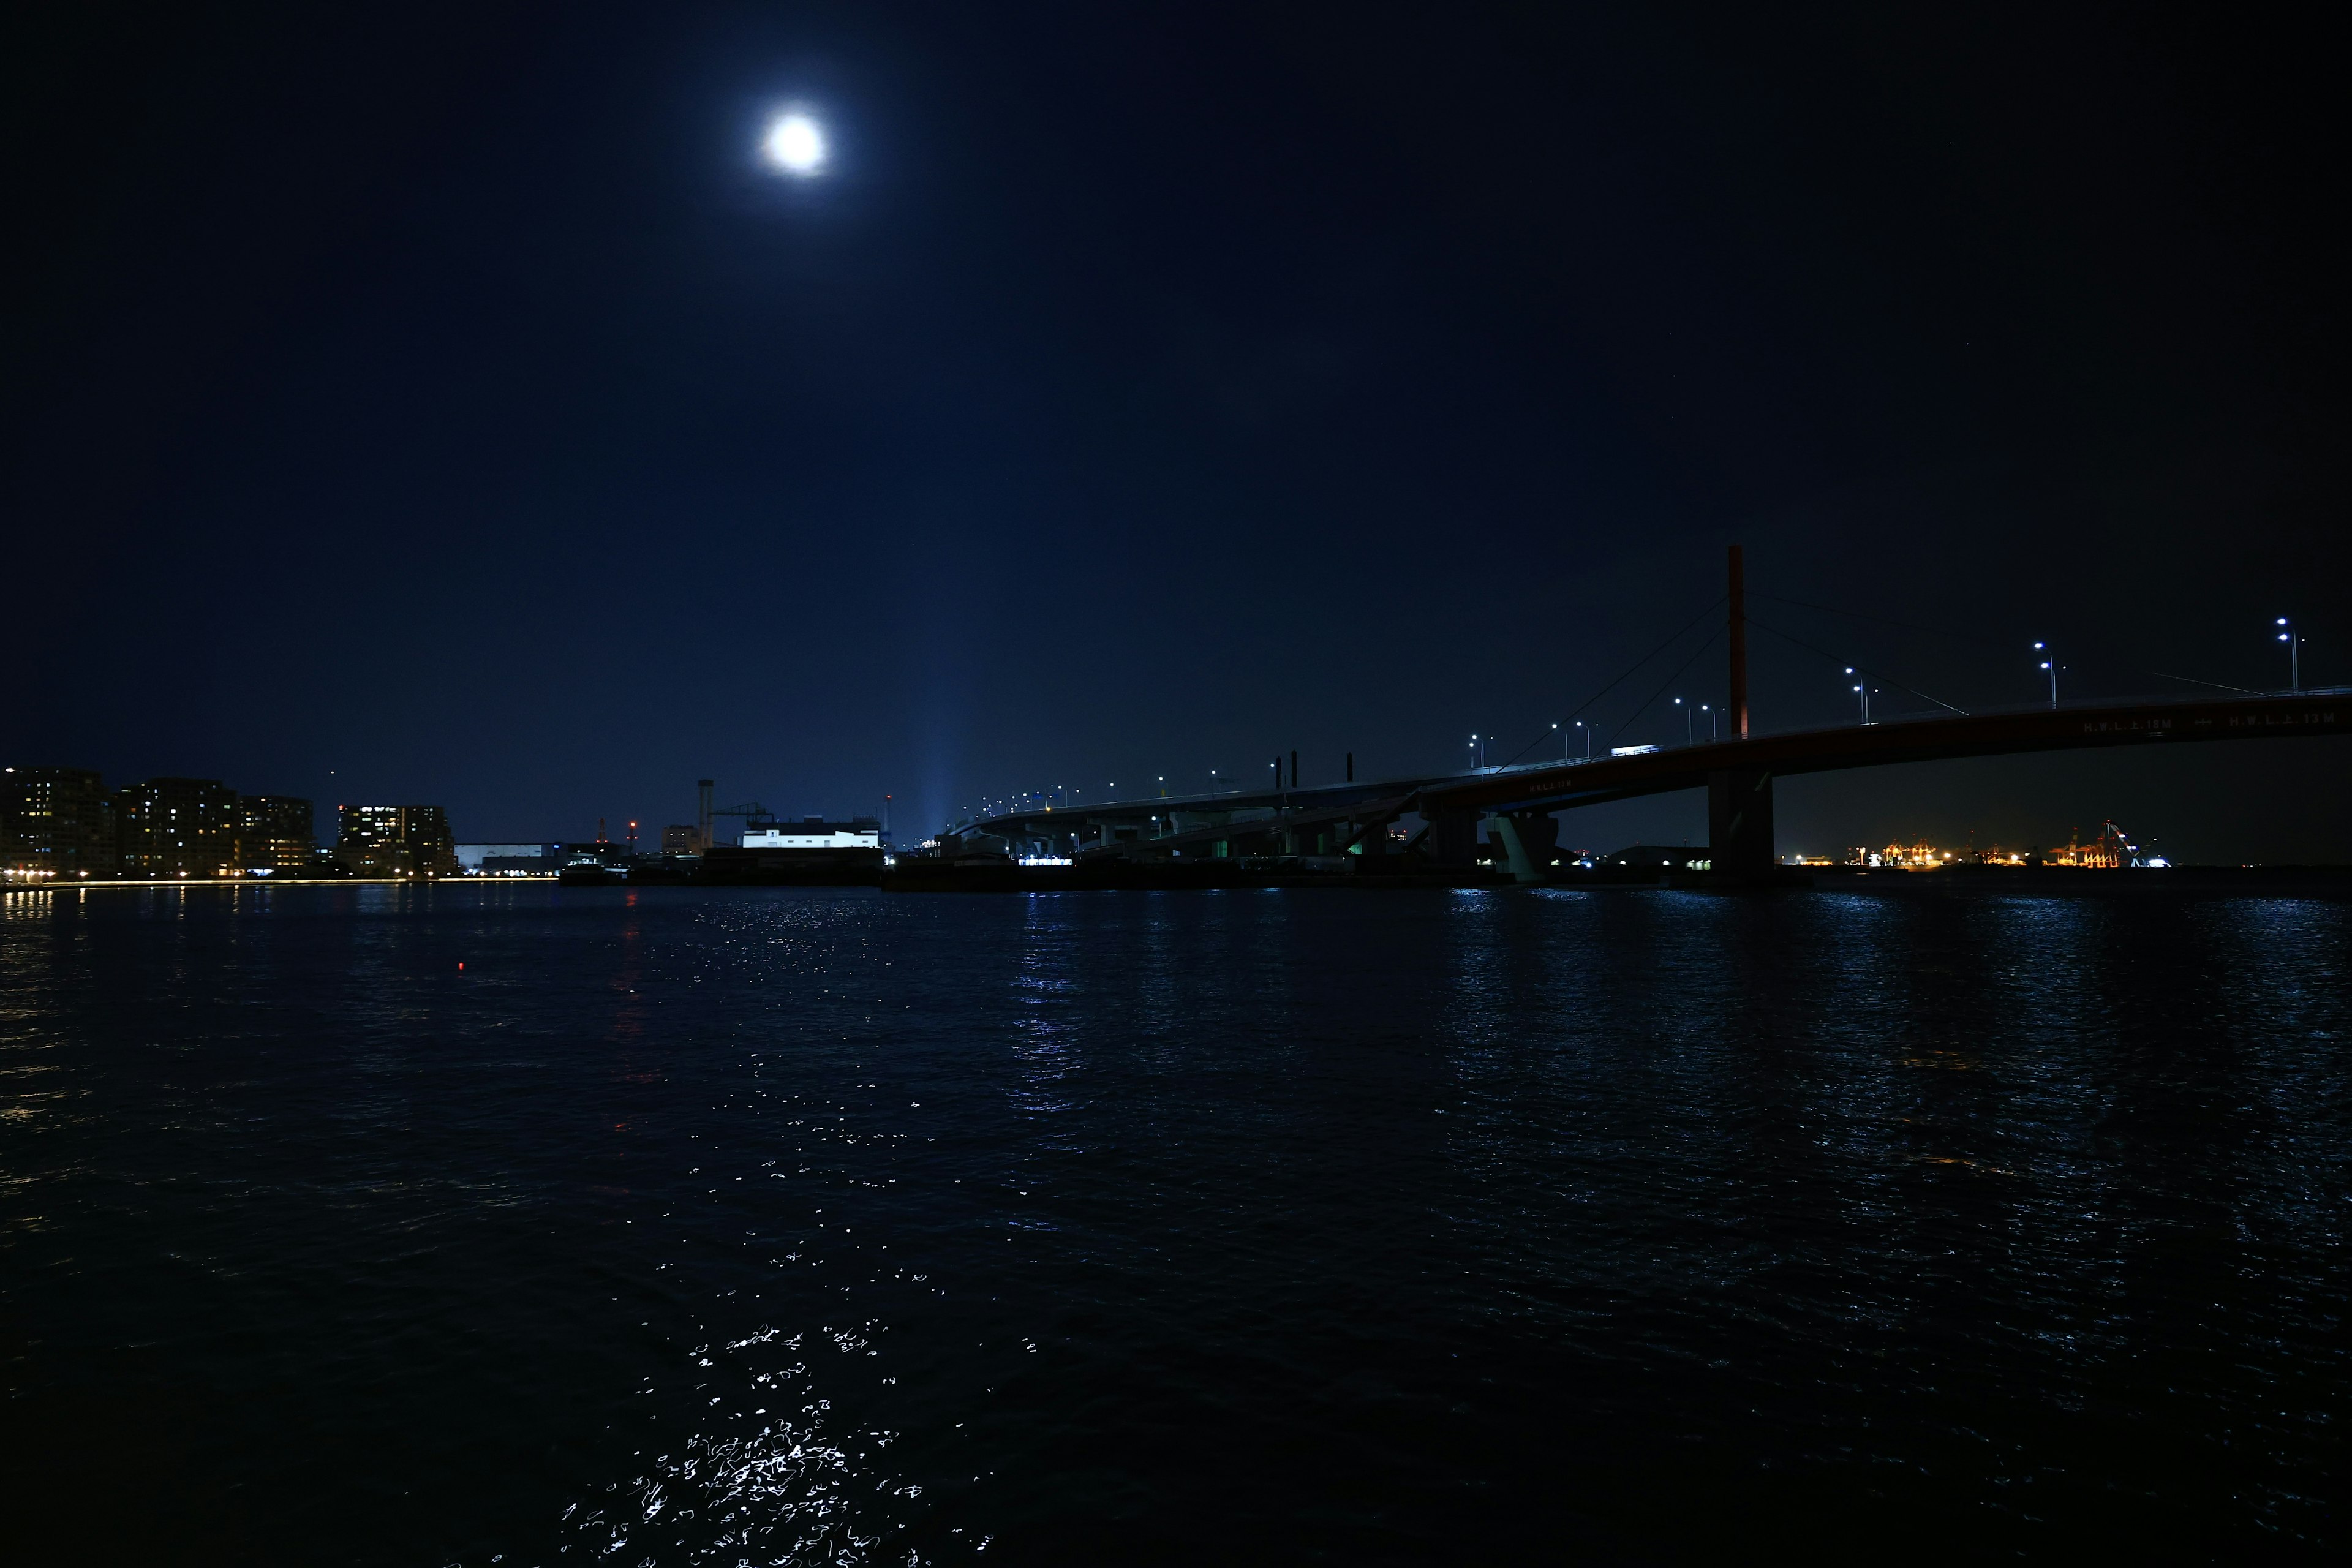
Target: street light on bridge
(1690, 723)
(1862, 692)
(2049, 664)
(2294, 664)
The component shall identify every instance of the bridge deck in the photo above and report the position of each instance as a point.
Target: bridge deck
(1559, 785)
(2071, 727)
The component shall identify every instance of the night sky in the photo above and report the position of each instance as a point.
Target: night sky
(449, 405)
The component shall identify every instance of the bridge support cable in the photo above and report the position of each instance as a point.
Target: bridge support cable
(2215, 685)
(1627, 674)
(1873, 675)
(1974, 639)
(1669, 681)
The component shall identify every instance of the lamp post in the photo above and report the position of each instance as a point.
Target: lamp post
(1862, 693)
(1690, 723)
(1588, 739)
(2294, 663)
(2049, 664)
(1708, 710)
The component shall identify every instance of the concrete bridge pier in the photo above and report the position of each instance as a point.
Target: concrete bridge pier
(1739, 822)
(1452, 835)
(1528, 839)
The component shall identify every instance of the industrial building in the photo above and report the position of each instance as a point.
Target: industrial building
(508, 859)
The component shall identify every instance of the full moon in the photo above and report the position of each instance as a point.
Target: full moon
(796, 144)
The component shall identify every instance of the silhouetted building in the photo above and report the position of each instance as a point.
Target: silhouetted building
(678, 840)
(275, 834)
(177, 828)
(395, 841)
(55, 822)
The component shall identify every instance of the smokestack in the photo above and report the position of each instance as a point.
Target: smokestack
(1294, 769)
(1351, 767)
(702, 788)
(1738, 647)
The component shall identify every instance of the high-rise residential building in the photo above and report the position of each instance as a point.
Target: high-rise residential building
(395, 841)
(177, 828)
(55, 823)
(274, 834)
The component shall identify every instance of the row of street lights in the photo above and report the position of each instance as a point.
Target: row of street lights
(1568, 737)
(1041, 797)
(2287, 633)
(1861, 689)
(2050, 666)
(1690, 721)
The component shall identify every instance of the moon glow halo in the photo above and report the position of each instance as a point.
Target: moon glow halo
(796, 144)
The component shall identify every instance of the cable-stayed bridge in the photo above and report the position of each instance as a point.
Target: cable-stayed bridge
(1516, 803)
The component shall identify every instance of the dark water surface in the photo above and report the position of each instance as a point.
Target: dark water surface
(683, 1226)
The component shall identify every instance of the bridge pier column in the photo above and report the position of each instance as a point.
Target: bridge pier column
(1452, 835)
(1527, 838)
(1739, 821)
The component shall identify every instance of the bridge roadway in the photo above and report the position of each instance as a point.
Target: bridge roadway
(1517, 801)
